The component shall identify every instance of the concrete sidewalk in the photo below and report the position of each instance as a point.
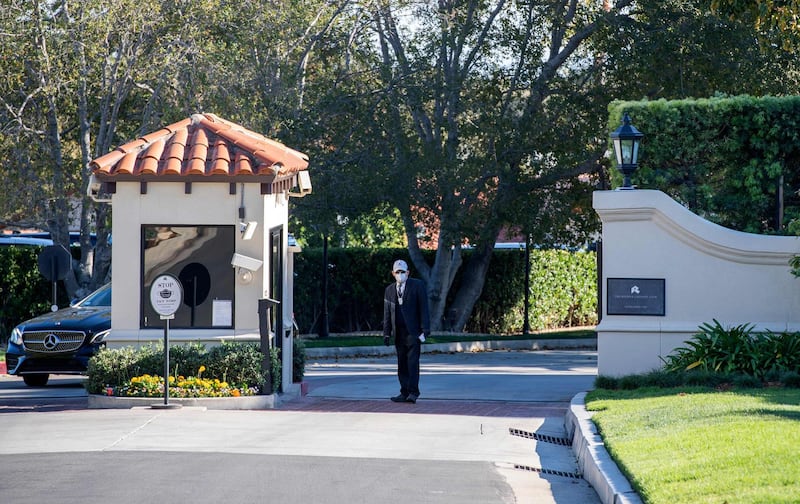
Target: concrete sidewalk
(489, 427)
(548, 384)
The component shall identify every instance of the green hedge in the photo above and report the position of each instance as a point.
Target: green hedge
(563, 289)
(563, 292)
(24, 293)
(724, 158)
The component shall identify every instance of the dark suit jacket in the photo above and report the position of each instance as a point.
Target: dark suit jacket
(414, 308)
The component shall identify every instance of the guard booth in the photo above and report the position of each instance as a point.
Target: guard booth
(205, 200)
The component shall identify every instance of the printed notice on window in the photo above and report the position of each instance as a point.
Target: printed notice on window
(222, 315)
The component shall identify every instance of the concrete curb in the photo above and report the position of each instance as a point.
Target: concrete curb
(258, 402)
(594, 461)
(461, 346)
(212, 403)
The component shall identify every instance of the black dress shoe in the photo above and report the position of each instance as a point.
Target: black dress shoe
(399, 398)
(412, 399)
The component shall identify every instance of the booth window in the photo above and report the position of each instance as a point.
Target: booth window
(199, 256)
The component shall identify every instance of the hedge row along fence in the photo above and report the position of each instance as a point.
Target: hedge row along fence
(563, 290)
(24, 293)
(731, 160)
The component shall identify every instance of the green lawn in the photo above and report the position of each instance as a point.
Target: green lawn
(698, 445)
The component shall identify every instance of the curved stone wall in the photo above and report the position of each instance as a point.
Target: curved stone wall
(709, 272)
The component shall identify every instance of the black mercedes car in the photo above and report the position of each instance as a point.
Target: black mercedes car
(60, 342)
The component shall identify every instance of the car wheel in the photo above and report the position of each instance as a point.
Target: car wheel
(36, 380)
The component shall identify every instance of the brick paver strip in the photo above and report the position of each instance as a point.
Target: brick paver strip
(430, 407)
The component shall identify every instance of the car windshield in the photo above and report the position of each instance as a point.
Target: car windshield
(100, 297)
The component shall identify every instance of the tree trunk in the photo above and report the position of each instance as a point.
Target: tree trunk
(57, 221)
(473, 278)
(446, 265)
(86, 264)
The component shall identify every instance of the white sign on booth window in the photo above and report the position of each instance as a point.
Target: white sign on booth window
(222, 313)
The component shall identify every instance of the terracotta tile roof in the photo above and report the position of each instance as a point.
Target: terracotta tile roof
(201, 148)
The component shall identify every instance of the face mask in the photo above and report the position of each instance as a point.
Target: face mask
(401, 277)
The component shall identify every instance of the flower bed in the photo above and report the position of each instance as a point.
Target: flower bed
(233, 368)
(194, 386)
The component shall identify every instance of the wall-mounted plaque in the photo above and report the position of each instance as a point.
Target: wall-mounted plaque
(635, 296)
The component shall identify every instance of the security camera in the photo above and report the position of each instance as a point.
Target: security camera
(248, 229)
(94, 189)
(304, 181)
(248, 263)
(304, 185)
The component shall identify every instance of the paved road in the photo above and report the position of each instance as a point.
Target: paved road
(480, 433)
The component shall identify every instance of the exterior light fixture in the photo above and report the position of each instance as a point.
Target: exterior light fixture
(626, 140)
(245, 267)
(245, 276)
(248, 229)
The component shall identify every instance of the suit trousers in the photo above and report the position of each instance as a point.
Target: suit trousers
(407, 364)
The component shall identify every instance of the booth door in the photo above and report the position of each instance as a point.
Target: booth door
(276, 280)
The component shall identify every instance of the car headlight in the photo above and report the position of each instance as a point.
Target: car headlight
(16, 336)
(101, 336)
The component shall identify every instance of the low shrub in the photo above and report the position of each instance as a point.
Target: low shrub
(186, 359)
(112, 368)
(275, 365)
(737, 350)
(747, 381)
(606, 382)
(236, 363)
(694, 378)
(791, 379)
(298, 360)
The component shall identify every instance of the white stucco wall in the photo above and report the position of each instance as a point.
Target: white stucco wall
(208, 204)
(710, 272)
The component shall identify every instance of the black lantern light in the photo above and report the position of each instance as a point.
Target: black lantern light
(626, 140)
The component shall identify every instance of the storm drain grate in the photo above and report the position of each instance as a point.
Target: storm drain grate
(553, 472)
(544, 438)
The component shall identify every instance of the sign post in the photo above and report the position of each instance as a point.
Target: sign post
(166, 295)
(54, 264)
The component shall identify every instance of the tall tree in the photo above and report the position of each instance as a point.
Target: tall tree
(677, 49)
(462, 104)
(34, 111)
(85, 78)
(782, 16)
(477, 116)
